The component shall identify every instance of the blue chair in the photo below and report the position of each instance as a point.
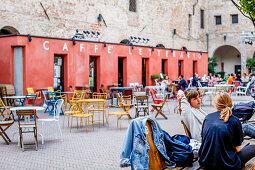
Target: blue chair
(30, 97)
(46, 101)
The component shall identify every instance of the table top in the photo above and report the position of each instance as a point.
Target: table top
(66, 92)
(37, 108)
(41, 88)
(121, 88)
(14, 97)
(224, 85)
(83, 86)
(91, 100)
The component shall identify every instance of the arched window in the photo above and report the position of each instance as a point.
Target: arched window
(160, 46)
(125, 41)
(184, 48)
(8, 30)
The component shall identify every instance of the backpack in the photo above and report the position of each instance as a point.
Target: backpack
(178, 150)
(243, 111)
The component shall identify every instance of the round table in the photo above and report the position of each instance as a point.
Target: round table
(37, 108)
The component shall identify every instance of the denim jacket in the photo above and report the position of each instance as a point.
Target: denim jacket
(135, 146)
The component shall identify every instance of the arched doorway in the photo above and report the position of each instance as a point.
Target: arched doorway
(160, 46)
(8, 30)
(228, 59)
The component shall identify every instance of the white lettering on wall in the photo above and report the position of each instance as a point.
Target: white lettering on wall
(96, 48)
(188, 55)
(130, 53)
(174, 53)
(166, 53)
(181, 55)
(149, 52)
(194, 55)
(199, 56)
(44, 45)
(140, 51)
(65, 47)
(81, 47)
(158, 52)
(109, 49)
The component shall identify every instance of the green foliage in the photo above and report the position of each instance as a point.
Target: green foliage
(155, 76)
(250, 63)
(212, 62)
(247, 8)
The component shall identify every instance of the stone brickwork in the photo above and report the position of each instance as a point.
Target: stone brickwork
(155, 20)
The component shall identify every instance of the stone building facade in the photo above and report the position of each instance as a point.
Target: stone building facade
(187, 24)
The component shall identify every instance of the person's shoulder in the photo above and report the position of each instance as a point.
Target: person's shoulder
(212, 115)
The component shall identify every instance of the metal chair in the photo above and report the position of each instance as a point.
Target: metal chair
(27, 126)
(56, 112)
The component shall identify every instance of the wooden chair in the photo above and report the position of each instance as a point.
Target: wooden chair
(125, 103)
(97, 107)
(187, 132)
(27, 126)
(96, 95)
(156, 160)
(5, 122)
(142, 105)
(30, 91)
(159, 108)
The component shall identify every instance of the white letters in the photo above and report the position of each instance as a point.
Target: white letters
(140, 51)
(158, 52)
(166, 53)
(96, 48)
(181, 55)
(44, 45)
(65, 47)
(149, 52)
(130, 51)
(81, 47)
(109, 49)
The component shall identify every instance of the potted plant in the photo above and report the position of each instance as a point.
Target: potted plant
(155, 77)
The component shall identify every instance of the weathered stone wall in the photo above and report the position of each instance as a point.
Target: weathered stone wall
(155, 20)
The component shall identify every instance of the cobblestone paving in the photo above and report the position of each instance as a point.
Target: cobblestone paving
(98, 149)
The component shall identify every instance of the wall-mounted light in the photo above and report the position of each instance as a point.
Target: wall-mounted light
(29, 38)
(201, 53)
(104, 44)
(132, 46)
(152, 49)
(99, 17)
(174, 32)
(73, 41)
(225, 37)
(186, 51)
(172, 50)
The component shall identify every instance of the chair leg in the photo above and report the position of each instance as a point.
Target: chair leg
(61, 135)
(71, 123)
(64, 120)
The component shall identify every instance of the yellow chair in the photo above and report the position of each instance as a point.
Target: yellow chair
(30, 90)
(98, 106)
(82, 115)
(124, 108)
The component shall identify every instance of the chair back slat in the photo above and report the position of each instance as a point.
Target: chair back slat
(57, 108)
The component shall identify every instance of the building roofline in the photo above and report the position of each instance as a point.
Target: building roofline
(70, 39)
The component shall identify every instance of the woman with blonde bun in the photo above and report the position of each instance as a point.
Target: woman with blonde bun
(222, 137)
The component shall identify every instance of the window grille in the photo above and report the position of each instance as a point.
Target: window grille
(218, 20)
(234, 19)
(202, 19)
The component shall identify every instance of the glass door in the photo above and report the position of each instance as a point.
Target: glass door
(59, 72)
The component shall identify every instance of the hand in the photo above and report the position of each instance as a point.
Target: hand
(179, 97)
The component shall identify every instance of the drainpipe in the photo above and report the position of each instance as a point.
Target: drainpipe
(207, 41)
(194, 7)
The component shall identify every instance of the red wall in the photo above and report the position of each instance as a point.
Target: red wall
(39, 61)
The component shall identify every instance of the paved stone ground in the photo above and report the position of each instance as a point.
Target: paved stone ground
(98, 149)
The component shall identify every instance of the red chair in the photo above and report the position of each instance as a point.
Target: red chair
(154, 97)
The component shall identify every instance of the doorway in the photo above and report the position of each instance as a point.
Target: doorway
(59, 72)
(238, 69)
(180, 67)
(120, 72)
(93, 73)
(194, 67)
(18, 70)
(145, 69)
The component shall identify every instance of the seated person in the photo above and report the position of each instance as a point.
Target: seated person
(193, 115)
(238, 78)
(231, 79)
(165, 83)
(191, 112)
(182, 83)
(222, 137)
(195, 80)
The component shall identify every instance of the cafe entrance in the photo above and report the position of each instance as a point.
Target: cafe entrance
(93, 73)
(59, 72)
